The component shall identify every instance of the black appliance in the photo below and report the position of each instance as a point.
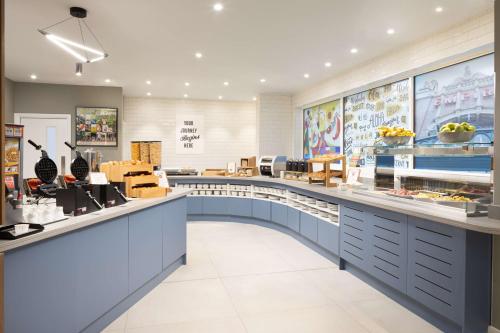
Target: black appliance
(77, 197)
(302, 166)
(46, 172)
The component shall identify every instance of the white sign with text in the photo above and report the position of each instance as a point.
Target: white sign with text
(189, 134)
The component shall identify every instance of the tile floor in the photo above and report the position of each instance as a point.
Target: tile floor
(247, 278)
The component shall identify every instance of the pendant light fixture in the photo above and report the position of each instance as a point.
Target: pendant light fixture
(82, 52)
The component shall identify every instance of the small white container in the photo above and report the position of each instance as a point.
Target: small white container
(21, 228)
(212, 186)
(205, 186)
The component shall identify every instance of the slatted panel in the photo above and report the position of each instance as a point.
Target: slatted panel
(353, 237)
(436, 255)
(388, 248)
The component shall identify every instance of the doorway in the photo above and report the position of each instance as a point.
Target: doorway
(48, 130)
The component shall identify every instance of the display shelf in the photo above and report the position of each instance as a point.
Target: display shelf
(323, 209)
(441, 149)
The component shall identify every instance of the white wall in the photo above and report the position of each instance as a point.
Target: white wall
(230, 129)
(464, 41)
(275, 125)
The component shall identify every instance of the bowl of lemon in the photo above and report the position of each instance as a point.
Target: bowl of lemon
(456, 133)
(395, 136)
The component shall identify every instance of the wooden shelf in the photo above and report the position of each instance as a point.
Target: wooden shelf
(326, 178)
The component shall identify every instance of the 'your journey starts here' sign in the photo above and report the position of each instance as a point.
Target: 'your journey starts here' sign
(190, 136)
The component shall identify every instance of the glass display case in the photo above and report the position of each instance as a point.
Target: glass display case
(467, 192)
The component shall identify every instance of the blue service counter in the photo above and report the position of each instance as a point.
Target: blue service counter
(80, 281)
(440, 272)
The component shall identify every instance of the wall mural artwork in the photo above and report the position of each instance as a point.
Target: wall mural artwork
(464, 92)
(366, 111)
(322, 126)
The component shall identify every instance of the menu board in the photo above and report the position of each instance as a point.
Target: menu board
(365, 112)
(322, 126)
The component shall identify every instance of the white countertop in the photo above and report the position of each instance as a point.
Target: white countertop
(78, 222)
(429, 211)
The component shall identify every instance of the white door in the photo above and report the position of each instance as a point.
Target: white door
(48, 130)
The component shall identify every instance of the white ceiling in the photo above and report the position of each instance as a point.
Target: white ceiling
(279, 40)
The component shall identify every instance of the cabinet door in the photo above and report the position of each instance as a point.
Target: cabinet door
(354, 234)
(215, 206)
(436, 267)
(40, 288)
(101, 269)
(194, 205)
(293, 219)
(279, 213)
(309, 226)
(388, 244)
(328, 236)
(239, 207)
(145, 246)
(261, 209)
(174, 230)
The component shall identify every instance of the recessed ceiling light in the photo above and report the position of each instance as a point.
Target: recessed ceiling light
(306, 76)
(438, 9)
(187, 84)
(254, 99)
(328, 64)
(148, 93)
(198, 55)
(33, 76)
(226, 83)
(220, 97)
(186, 95)
(107, 80)
(354, 50)
(218, 7)
(263, 80)
(148, 82)
(391, 31)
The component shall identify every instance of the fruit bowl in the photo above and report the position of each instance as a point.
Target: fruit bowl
(455, 137)
(396, 140)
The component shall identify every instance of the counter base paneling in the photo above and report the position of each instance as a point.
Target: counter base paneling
(439, 271)
(80, 281)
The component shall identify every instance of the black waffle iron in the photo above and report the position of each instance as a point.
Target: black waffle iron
(46, 172)
(77, 197)
(79, 167)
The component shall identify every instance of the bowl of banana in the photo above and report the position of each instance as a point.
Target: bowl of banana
(395, 136)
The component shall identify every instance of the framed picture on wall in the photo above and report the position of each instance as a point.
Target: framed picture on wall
(463, 92)
(96, 126)
(366, 111)
(322, 130)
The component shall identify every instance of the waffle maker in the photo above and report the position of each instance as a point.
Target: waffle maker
(79, 167)
(46, 172)
(77, 197)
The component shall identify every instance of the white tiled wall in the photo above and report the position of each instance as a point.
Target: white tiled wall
(230, 129)
(464, 41)
(275, 124)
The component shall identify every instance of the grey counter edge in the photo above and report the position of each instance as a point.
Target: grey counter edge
(75, 223)
(480, 224)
